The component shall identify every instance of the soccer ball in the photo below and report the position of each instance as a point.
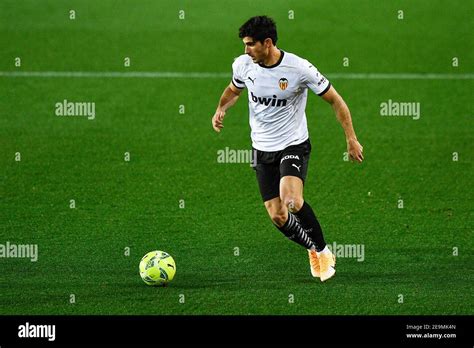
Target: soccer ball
(157, 268)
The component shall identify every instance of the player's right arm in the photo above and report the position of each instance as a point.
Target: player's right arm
(228, 98)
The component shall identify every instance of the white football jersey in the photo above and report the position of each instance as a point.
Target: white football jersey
(277, 98)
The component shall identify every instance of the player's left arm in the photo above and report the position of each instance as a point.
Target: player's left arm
(354, 148)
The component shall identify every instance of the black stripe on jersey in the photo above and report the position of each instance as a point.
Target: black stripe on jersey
(325, 90)
(236, 85)
(237, 80)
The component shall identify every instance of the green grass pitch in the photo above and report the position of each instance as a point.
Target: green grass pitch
(418, 259)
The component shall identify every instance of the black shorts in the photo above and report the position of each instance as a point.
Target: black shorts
(270, 167)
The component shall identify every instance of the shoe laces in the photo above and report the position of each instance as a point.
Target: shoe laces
(325, 261)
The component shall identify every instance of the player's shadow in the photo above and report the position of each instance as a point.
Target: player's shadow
(274, 282)
(209, 283)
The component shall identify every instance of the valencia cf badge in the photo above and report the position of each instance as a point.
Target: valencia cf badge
(283, 83)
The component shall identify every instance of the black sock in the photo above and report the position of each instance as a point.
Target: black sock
(293, 230)
(311, 224)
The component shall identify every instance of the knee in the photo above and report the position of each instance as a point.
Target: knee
(293, 202)
(277, 212)
(278, 217)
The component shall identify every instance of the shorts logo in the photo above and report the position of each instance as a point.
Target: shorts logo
(283, 83)
(289, 157)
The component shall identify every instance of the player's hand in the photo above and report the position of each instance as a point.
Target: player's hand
(218, 119)
(355, 149)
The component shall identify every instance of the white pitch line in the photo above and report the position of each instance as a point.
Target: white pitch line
(399, 76)
(211, 75)
(127, 74)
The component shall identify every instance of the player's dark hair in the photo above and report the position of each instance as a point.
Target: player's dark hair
(259, 28)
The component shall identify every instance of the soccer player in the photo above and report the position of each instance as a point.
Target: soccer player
(277, 84)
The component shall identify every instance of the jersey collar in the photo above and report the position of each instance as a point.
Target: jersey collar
(276, 64)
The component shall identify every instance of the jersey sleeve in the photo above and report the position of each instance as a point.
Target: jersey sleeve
(312, 78)
(237, 79)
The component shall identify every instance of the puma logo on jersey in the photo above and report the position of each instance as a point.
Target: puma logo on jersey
(253, 80)
(290, 157)
(297, 167)
(266, 101)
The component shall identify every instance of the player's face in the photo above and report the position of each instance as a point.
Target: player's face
(255, 49)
